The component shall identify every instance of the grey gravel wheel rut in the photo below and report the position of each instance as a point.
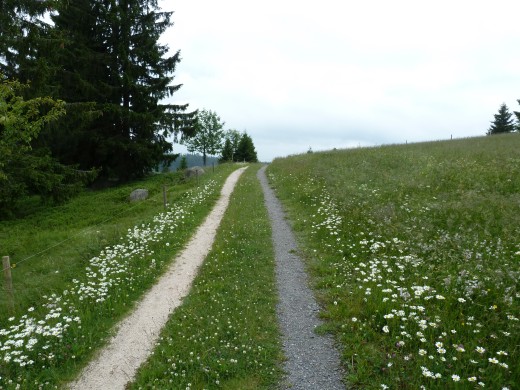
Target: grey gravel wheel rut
(312, 361)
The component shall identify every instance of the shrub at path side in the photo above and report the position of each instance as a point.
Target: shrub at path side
(415, 252)
(225, 335)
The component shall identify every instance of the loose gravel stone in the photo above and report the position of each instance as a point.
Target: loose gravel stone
(312, 360)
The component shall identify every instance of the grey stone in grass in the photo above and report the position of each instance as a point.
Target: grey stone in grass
(193, 171)
(138, 194)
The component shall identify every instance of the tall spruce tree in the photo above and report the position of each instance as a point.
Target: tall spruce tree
(503, 122)
(113, 71)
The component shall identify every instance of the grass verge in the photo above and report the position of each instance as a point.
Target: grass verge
(225, 335)
(76, 292)
(415, 254)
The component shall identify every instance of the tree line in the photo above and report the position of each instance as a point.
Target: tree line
(82, 91)
(504, 122)
(210, 138)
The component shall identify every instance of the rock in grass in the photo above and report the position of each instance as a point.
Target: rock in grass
(139, 194)
(193, 171)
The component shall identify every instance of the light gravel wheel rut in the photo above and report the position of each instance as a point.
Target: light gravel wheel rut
(136, 335)
(312, 360)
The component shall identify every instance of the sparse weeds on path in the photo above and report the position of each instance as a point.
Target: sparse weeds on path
(225, 335)
(48, 344)
(416, 253)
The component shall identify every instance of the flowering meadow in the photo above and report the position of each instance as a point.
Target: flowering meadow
(225, 335)
(415, 254)
(49, 343)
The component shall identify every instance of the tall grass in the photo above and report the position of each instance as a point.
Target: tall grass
(225, 335)
(68, 297)
(415, 254)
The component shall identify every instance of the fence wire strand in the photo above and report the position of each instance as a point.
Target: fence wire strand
(83, 231)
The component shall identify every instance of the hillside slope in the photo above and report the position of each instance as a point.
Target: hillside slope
(415, 254)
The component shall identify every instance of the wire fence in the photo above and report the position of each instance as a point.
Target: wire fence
(83, 231)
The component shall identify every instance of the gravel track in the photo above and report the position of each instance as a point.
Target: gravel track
(312, 361)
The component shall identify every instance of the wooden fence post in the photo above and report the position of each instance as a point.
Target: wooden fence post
(8, 280)
(164, 196)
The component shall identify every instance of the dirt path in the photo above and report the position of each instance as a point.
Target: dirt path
(312, 361)
(136, 336)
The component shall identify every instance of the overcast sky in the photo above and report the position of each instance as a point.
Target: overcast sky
(339, 73)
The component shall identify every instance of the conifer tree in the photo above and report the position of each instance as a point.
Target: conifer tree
(23, 37)
(227, 151)
(517, 114)
(114, 73)
(246, 149)
(503, 122)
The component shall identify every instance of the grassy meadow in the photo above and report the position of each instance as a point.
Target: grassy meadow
(414, 252)
(78, 268)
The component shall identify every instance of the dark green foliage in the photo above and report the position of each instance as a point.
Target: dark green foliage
(517, 114)
(102, 61)
(503, 122)
(246, 149)
(227, 151)
(113, 73)
(23, 38)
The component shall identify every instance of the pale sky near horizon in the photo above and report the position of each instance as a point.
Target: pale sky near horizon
(336, 74)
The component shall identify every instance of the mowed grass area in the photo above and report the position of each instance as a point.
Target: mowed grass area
(225, 334)
(79, 267)
(414, 252)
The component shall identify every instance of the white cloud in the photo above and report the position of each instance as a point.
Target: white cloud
(300, 74)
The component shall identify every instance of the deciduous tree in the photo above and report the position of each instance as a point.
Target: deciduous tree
(23, 170)
(208, 136)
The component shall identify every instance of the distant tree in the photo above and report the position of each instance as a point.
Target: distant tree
(23, 38)
(208, 136)
(246, 149)
(234, 137)
(503, 122)
(517, 114)
(227, 151)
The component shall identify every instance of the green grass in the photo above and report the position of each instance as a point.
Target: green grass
(68, 297)
(225, 335)
(414, 251)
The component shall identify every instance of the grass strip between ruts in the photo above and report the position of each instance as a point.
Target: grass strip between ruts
(225, 335)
